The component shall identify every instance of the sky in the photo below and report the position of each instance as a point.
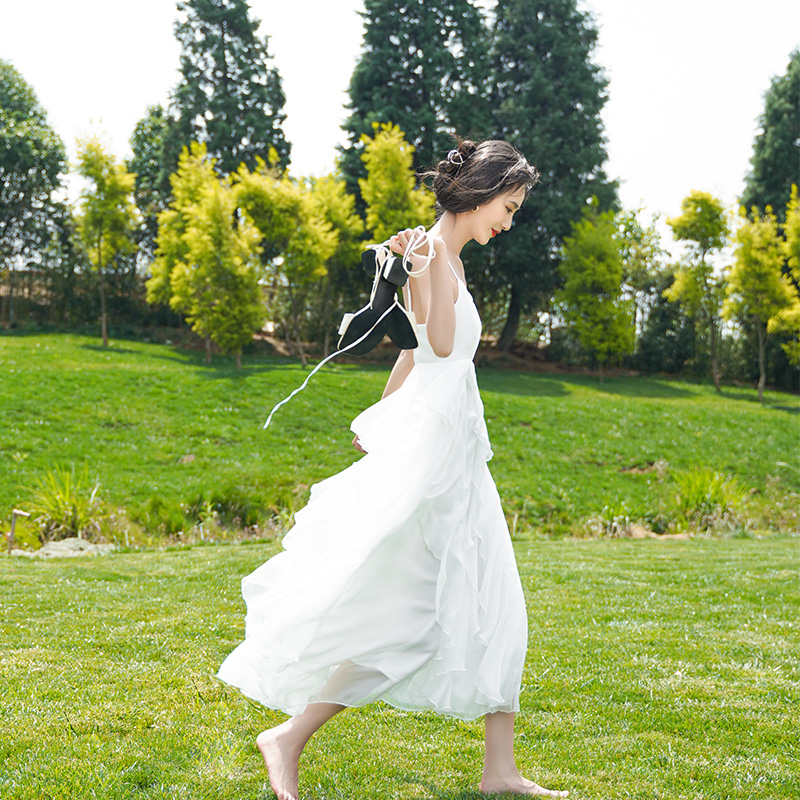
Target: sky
(687, 79)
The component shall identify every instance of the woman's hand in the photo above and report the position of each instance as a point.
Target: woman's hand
(400, 242)
(358, 446)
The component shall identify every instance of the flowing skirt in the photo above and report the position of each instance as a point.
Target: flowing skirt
(398, 580)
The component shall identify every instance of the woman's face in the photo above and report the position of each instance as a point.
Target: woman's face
(494, 217)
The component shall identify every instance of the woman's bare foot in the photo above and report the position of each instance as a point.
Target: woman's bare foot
(516, 784)
(281, 757)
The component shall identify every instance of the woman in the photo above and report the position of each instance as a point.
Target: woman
(398, 580)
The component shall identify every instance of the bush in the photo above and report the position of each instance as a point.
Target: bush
(66, 504)
(708, 500)
(160, 516)
(229, 506)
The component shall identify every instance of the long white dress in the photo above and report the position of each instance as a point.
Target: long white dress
(398, 580)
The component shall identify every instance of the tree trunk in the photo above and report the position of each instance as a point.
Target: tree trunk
(103, 323)
(238, 359)
(303, 359)
(208, 349)
(10, 294)
(286, 337)
(713, 348)
(103, 318)
(512, 322)
(326, 317)
(295, 317)
(762, 371)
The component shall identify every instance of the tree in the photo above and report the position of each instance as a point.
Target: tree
(392, 201)
(207, 264)
(422, 67)
(641, 255)
(787, 321)
(107, 217)
(591, 298)
(32, 162)
(152, 180)
(295, 238)
(228, 97)
(757, 290)
(548, 95)
(195, 172)
(703, 226)
(345, 282)
(217, 285)
(668, 337)
(775, 163)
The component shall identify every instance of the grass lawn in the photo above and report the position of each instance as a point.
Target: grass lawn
(656, 669)
(168, 435)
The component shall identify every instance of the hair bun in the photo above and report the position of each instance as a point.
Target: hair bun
(467, 148)
(455, 159)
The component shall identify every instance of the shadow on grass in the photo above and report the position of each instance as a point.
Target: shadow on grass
(521, 383)
(114, 348)
(432, 792)
(538, 384)
(788, 409)
(221, 365)
(750, 396)
(638, 387)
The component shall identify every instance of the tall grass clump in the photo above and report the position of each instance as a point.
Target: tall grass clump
(708, 500)
(65, 503)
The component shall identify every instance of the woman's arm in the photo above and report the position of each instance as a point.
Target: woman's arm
(400, 371)
(402, 367)
(440, 321)
(436, 286)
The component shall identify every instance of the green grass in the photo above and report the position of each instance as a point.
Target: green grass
(162, 430)
(656, 669)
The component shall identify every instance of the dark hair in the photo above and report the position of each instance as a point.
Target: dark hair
(474, 174)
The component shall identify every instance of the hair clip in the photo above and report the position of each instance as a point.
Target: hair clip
(454, 157)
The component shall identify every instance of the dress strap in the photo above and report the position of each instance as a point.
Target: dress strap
(453, 270)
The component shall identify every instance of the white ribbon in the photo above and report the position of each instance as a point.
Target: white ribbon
(418, 238)
(322, 363)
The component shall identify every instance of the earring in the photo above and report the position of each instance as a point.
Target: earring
(475, 209)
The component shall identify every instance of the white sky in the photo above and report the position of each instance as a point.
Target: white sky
(687, 78)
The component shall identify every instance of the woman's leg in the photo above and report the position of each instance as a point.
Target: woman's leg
(281, 746)
(500, 772)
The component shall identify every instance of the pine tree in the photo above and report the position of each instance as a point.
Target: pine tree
(392, 202)
(217, 285)
(296, 240)
(548, 95)
(152, 183)
(757, 291)
(703, 226)
(591, 299)
(776, 156)
(228, 97)
(207, 265)
(344, 285)
(787, 322)
(422, 68)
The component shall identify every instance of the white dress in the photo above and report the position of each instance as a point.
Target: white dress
(398, 580)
